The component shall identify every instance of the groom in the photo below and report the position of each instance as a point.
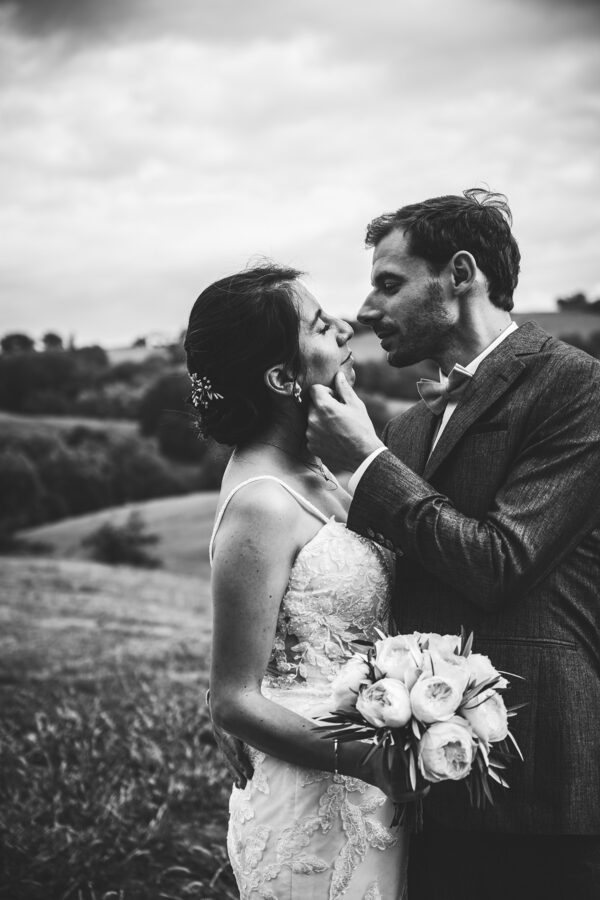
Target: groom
(489, 494)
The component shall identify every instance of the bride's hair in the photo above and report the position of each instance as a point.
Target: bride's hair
(239, 327)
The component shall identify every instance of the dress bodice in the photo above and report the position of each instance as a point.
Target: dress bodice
(339, 590)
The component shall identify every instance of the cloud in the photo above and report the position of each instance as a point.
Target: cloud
(149, 148)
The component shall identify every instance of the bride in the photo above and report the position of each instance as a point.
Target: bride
(291, 587)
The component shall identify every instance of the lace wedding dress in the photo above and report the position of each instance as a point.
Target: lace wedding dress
(300, 834)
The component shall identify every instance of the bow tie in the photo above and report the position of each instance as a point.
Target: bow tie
(437, 394)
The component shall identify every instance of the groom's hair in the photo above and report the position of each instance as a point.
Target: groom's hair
(479, 222)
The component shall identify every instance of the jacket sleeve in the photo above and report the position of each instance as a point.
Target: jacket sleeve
(549, 500)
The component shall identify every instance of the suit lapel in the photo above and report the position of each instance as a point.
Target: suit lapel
(492, 379)
(419, 438)
(409, 436)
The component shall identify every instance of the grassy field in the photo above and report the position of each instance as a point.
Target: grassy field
(110, 784)
(182, 524)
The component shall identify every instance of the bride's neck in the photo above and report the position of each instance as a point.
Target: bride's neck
(287, 433)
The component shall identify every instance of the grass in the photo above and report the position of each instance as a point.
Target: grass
(110, 783)
(182, 524)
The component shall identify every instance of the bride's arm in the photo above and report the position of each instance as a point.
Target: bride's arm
(256, 546)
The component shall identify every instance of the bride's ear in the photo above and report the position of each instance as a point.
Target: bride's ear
(279, 380)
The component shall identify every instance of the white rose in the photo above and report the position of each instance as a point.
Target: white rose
(481, 668)
(443, 643)
(452, 667)
(345, 685)
(446, 751)
(487, 716)
(434, 699)
(385, 703)
(394, 656)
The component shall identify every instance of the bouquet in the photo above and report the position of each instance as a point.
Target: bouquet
(427, 699)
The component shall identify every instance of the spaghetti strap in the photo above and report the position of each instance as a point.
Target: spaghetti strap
(301, 500)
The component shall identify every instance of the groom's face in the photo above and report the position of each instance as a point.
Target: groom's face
(408, 308)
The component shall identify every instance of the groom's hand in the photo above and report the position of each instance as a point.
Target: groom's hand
(339, 429)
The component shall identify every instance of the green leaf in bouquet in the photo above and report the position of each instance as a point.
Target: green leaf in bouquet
(355, 735)
(389, 756)
(415, 728)
(372, 749)
(466, 642)
(516, 746)
(511, 675)
(342, 716)
(493, 774)
(412, 770)
(472, 692)
(481, 748)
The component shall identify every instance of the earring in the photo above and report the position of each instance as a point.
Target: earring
(297, 394)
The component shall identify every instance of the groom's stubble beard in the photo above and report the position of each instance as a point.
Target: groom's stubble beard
(425, 328)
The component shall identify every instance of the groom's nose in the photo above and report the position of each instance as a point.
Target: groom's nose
(368, 313)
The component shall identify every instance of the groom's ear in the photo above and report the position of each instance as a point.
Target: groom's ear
(279, 380)
(463, 271)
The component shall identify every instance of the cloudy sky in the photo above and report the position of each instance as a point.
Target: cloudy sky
(148, 147)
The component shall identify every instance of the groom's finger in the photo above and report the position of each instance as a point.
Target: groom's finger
(322, 396)
(344, 390)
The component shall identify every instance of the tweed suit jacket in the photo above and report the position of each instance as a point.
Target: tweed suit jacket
(499, 531)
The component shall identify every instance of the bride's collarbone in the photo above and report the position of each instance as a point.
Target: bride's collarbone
(309, 485)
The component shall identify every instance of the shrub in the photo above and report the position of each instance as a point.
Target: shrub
(45, 476)
(123, 544)
(21, 491)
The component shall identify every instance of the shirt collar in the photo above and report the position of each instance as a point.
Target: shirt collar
(472, 367)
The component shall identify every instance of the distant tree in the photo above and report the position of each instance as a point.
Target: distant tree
(17, 343)
(165, 414)
(167, 392)
(577, 301)
(139, 342)
(52, 341)
(92, 357)
(46, 401)
(176, 352)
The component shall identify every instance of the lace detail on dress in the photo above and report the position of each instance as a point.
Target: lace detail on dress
(329, 602)
(265, 858)
(298, 832)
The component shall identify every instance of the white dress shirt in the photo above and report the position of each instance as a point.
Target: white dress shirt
(450, 407)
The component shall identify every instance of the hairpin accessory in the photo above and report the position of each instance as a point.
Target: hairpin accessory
(202, 391)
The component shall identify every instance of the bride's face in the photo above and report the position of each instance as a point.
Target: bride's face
(323, 342)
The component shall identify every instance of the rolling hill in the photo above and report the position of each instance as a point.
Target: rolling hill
(182, 524)
(74, 617)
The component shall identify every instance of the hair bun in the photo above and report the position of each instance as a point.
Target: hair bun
(239, 327)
